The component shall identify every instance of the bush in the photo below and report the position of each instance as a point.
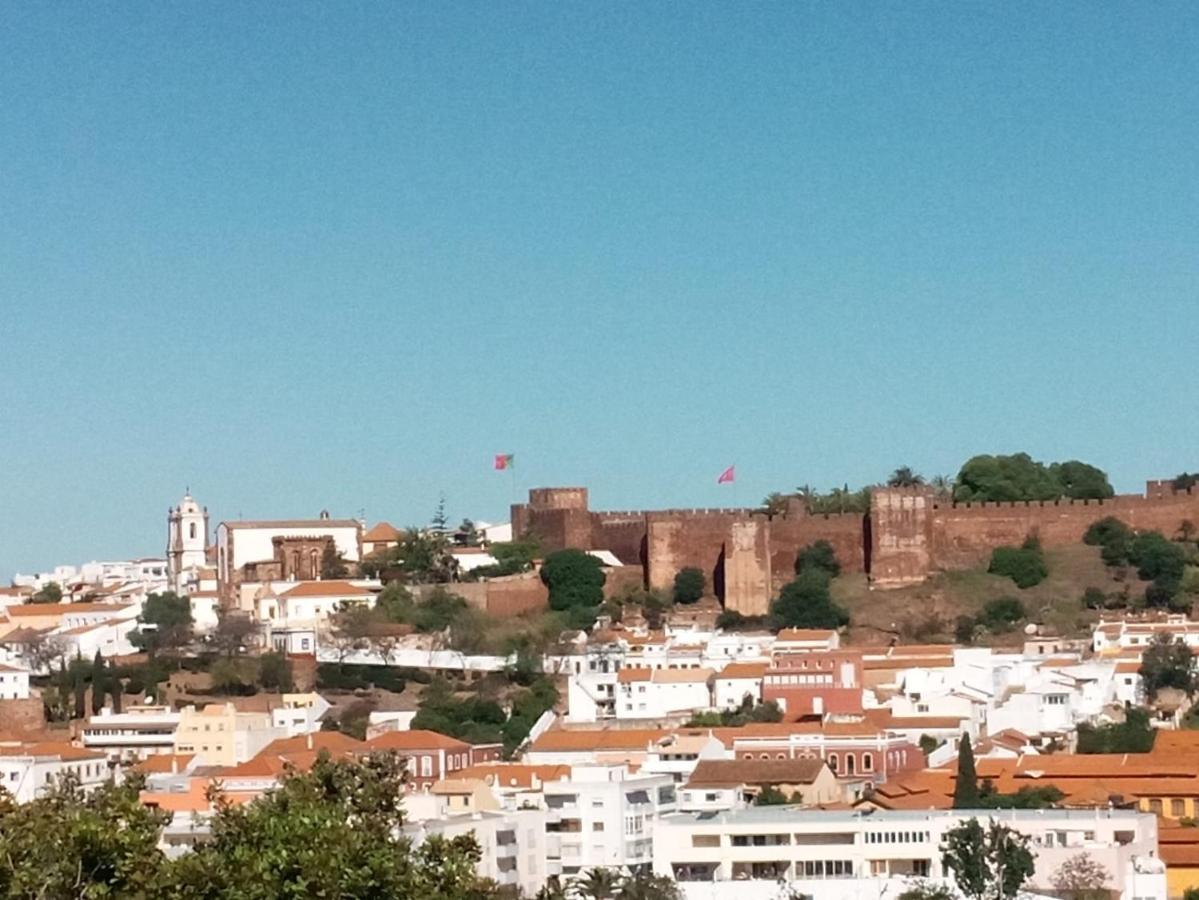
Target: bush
(1094, 598)
(1106, 531)
(964, 629)
(731, 620)
(1025, 565)
(274, 672)
(999, 615)
(689, 585)
(1157, 558)
(1133, 735)
(819, 555)
(574, 578)
(335, 677)
(807, 603)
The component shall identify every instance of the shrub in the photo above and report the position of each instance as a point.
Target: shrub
(689, 585)
(1094, 598)
(807, 603)
(1105, 531)
(999, 615)
(819, 555)
(574, 578)
(1025, 565)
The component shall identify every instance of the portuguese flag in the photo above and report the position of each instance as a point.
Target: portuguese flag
(503, 461)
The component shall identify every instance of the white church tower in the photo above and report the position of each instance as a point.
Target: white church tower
(187, 540)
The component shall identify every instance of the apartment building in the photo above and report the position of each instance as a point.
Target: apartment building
(822, 853)
(222, 735)
(603, 816)
(14, 683)
(28, 769)
(135, 734)
(662, 693)
(431, 756)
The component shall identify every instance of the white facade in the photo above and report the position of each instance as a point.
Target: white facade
(662, 693)
(239, 543)
(28, 770)
(300, 714)
(512, 843)
(603, 817)
(802, 848)
(187, 541)
(14, 683)
(135, 734)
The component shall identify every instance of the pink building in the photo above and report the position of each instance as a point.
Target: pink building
(818, 683)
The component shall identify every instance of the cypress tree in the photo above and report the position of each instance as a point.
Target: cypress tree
(965, 791)
(99, 682)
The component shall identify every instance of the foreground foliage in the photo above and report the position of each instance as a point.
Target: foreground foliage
(332, 832)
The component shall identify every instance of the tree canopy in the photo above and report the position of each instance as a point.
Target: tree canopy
(689, 585)
(965, 788)
(807, 603)
(1025, 564)
(574, 578)
(1167, 663)
(1020, 477)
(989, 863)
(818, 555)
(170, 618)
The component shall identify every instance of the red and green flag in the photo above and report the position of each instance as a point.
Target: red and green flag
(503, 461)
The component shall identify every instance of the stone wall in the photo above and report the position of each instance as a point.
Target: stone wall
(17, 716)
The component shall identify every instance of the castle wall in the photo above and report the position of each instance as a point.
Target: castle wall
(623, 534)
(790, 533)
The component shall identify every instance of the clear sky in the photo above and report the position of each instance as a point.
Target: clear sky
(305, 256)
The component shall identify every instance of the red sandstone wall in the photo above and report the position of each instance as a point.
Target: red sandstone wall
(621, 533)
(516, 595)
(964, 535)
(788, 535)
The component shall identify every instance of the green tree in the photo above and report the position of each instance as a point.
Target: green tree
(774, 504)
(51, 592)
(1081, 878)
(689, 585)
(1107, 530)
(574, 578)
(331, 832)
(1157, 558)
(511, 558)
(1080, 481)
(1001, 614)
(274, 672)
(232, 632)
(166, 623)
(1133, 735)
(927, 890)
(333, 564)
(597, 884)
(228, 677)
(99, 683)
(987, 864)
(905, 477)
(928, 744)
(807, 603)
(644, 885)
(818, 555)
(72, 844)
(770, 796)
(1094, 598)
(1020, 477)
(965, 788)
(1185, 481)
(1167, 663)
(1025, 564)
(423, 557)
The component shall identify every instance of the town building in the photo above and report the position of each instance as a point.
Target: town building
(281, 550)
(431, 757)
(187, 542)
(134, 734)
(29, 768)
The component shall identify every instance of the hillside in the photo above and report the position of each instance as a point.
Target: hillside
(927, 612)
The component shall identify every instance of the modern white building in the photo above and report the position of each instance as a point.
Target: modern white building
(300, 713)
(761, 847)
(662, 693)
(603, 817)
(135, 734)
(28, 770)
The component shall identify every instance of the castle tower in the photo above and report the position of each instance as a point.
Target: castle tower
(187, 540)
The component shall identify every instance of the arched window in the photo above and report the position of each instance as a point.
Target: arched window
(848, 763)
(314, 568)
(191, 531)
(867, 762)
(295, 564)
(832, 761)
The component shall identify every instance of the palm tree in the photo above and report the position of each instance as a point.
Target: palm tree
(648, 886)
(774, 504)
(943, 485)
(597, 884)
(905, 477)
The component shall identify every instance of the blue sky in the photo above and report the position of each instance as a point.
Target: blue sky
(336, 256)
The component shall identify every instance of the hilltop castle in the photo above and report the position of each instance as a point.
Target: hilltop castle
(908, 534)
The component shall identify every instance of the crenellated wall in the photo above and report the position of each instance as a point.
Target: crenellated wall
(908, 534)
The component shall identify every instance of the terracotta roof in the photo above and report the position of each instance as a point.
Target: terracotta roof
(514, 775)
(164, 763)
(60, 749)
(314, 524)
(326, 589)
(4, 668)
(628, 675)
(416, 740)
(381, 533)
(734, 772)
(1179, 855)
(909, 662)
(62, 609)
(743, 670)
(805, 634)
(598, 739)
(333, 741)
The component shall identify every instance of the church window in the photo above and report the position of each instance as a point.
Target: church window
(191, 529)
(314, 564)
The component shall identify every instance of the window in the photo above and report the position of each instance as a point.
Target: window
(1177, 809)
(426, 765)
(191, 531)
(867, 762)
(832, 761)
(1155, 806)
(597, 826)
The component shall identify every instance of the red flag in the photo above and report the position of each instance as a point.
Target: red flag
(503, 461)
(726, 476)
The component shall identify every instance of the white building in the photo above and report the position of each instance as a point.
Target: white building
(137, 733)
(824, 853)
(603, 817)
(662, 693)
(239, 543)
(300, 713)
(14, 683)
(187, 541)
(737, 682)
(28, 770)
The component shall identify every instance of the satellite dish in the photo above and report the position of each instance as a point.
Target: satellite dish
(1030, 629)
